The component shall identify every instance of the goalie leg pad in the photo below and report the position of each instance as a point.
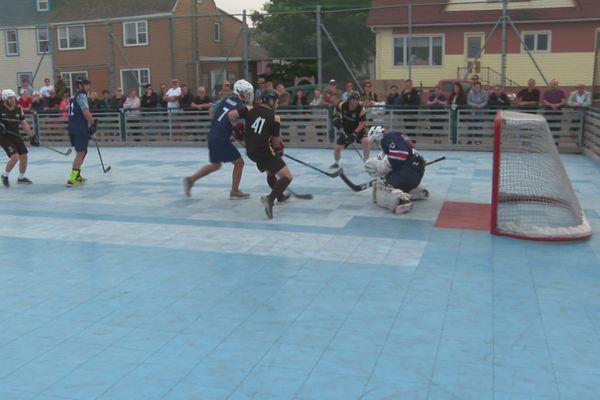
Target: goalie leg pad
(394, 200)
(419, 193)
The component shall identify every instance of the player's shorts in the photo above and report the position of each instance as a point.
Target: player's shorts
(13, 145)
(222, 152)
(406, 178)
(79, 140)
(341, 140)
(266, 161)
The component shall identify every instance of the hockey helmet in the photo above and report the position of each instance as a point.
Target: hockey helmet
(82, 80)
(244, 90)
(354, 96)
(269, 97)
(6, 93)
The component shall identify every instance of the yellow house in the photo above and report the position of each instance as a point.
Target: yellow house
(441, 41)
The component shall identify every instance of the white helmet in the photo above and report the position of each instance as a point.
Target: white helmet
(376, 133)
(6, 93)
(244, 90)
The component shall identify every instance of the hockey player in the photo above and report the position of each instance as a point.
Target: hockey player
(350, 119)
(262, 141)
(81, 127)
(401, 168)
(11, 115)
(220, 148)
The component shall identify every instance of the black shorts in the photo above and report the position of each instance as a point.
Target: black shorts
(341, 140)
(267, 161)
(13, 145)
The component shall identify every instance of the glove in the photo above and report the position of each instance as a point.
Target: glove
(35, 141)
(238, 131)
(92, 129)
(337, 122)
(351, 138)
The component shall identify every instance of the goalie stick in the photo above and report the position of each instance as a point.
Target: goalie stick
(366, 185)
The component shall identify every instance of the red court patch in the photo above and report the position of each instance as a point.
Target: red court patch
(457, 215)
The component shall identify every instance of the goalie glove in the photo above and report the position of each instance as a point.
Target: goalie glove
(239, 131)
(35, 141)
(378, 167)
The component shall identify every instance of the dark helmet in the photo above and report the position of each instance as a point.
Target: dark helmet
(354, 96)
(269, 95)
(82, 80)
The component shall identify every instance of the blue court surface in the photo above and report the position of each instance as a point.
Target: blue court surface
(126, 289)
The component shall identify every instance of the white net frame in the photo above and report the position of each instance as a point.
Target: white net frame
(532, 196)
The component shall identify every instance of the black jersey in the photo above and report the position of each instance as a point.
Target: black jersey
(351, 118)
(11, 118)
(261, 125)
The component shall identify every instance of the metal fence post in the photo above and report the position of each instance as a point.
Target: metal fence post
(453, 125)
(122, 126)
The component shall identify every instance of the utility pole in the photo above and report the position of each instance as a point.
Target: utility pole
(409, 40)
(504, 21)
(319, 49)
(245, 46)
(195, 44)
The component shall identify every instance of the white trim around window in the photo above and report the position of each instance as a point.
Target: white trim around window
(71, 76)
(536, 36)
(43, 5)
(135, 33)
(67, 39)
(217, 32)
(430, 61)
(141, 74)
(11, 43)
(42, 39)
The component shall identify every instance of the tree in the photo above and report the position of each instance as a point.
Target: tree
(288, 31)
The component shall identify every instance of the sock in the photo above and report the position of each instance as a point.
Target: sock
(21, 176)
(279, 188)
(5, 174)
(74, 174)
(271, 180)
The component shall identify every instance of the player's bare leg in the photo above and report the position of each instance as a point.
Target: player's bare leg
(236, 178)
(366, 147)
(189, 181)
(285, 178)
(337, 154)
(12, 161)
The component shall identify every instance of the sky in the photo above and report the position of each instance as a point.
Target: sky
(236, 6)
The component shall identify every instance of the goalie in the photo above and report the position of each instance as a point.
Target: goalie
(400, 169)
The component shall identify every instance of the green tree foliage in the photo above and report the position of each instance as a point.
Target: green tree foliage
(288, 31)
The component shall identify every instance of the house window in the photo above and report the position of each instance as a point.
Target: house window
(69, 78)
(473, 46)
(135, 78)
(217, 32)
(42, 5)
(24, 76)
(11, 42)
(71, 37)
(536, 41)
(425, 51)
(43, 40)
(135, 33)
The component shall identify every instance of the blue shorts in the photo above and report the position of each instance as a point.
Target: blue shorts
(79, 141)
(222, 152)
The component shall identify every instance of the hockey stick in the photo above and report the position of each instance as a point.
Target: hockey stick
(329, 174)
(307, 196)
(363, 186)
(64, 153)
(358, 152)
(100, 156)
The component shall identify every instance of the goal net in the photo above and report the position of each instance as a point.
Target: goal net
(532, 197)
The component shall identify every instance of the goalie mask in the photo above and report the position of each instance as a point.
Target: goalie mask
(376, 133)
(244, 90)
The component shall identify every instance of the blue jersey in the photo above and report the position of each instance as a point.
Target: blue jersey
(77, 121)
(399, 151)
(220, 127)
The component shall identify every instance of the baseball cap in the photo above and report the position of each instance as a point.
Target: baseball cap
(23, 91)
(36, 93)
(332, 81)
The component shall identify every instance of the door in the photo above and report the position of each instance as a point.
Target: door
(473, 44)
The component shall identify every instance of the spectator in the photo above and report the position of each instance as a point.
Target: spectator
(226, 92)
(269, 85)
(299, 99)
(39, 103)
(94, 101)
(53, 101)
(554, 98)
(259, 90)
(25, 85)
(45, 90)
(284, 96)
(393, 98)
(117, 101)
(369, 97)
(529, 97)
(186, 98)
(437, 98)
(332, 94)
(458, 97)
(64, 105)
(132, 102)
(105, 100)
(163, 95)
(498, 98)
(25, 100)
(410, 96)
(475, 79)
(60, 86)
(203, 101)
(149, 98)
(349, 90)
(317, 98)
(580, 97)
(172, 95)
(477, 97)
